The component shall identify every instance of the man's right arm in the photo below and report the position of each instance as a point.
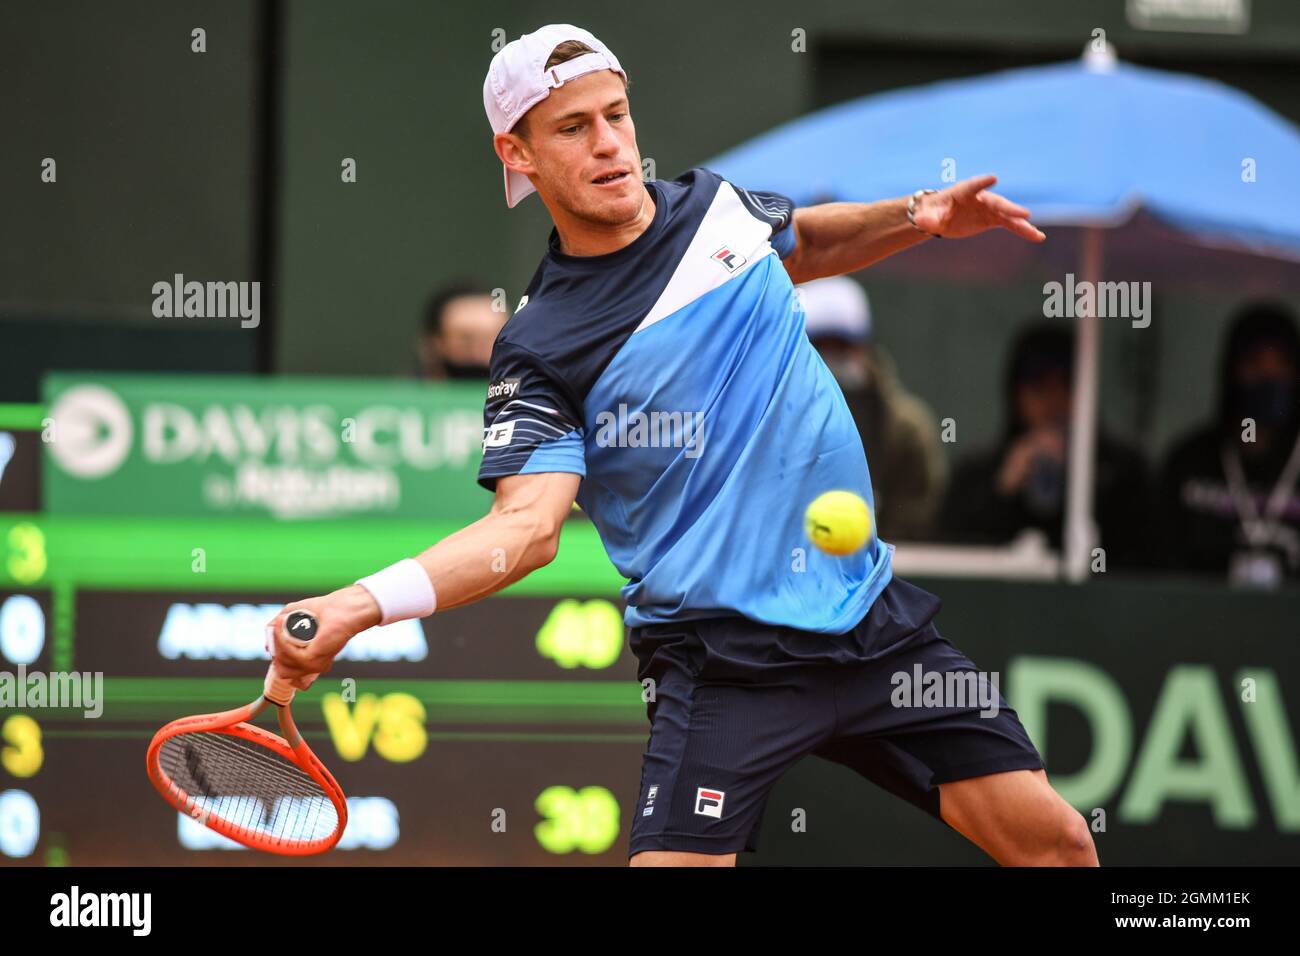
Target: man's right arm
(520, 534)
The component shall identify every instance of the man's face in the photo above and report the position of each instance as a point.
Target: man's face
(464, 346)
(1265, 363)
(1264, 385)
(847, 360)
(1044, 400)
(581, 150)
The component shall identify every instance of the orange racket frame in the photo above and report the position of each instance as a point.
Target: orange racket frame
(291, 747)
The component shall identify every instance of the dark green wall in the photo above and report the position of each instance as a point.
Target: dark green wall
(154, 145)
(155, 148)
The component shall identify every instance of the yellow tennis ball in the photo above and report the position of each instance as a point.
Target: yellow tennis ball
(838, 522)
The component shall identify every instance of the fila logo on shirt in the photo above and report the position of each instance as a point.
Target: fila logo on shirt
(708, 803)
(498, 435)
(650, 801)
(729, 259)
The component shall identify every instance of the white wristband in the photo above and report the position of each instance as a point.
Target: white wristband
(402, 590)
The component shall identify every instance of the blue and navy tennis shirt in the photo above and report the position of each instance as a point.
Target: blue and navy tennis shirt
(676, 377)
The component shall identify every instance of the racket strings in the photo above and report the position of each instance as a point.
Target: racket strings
(249, 786)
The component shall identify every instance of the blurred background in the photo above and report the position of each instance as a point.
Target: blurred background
(167, 476)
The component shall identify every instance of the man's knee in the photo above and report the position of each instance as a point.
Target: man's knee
(1076, 847)
(1069, 844)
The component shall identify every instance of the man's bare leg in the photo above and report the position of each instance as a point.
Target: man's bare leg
(673, 858)
(1018, 819)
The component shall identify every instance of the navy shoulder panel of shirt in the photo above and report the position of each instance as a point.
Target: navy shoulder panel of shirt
(578, 311)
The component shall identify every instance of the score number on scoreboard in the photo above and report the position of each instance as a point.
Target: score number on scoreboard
(23, 642)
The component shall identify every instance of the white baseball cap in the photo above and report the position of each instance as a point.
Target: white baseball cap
(836, 307)
(517, 81)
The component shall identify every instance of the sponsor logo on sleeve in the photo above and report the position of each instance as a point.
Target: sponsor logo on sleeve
(498, 435)
(506, 388)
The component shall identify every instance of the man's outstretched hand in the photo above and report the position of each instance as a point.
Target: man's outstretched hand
(967, 209)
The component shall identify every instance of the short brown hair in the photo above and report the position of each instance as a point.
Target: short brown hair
(568, 50)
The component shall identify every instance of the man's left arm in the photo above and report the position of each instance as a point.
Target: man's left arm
(839, 237)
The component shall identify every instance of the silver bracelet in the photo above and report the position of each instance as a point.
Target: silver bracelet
(911, 211)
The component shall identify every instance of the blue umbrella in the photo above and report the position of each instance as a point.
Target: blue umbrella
(1171, 175)
(1081, 143)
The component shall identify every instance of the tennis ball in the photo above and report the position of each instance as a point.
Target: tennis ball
(838, 522)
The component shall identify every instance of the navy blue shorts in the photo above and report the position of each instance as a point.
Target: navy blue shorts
(737, 703)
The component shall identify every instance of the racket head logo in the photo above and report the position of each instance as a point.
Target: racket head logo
(301, 625)
(195, 811)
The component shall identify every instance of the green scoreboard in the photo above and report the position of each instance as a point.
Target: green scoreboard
(506, 732)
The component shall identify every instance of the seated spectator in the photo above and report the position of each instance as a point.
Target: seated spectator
(460, 325)
(1228, 489)
(898, 431)
(1020, 483)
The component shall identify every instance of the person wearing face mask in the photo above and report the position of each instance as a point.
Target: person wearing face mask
(1020, 483)
(460, 325)
(1228, 490)
(899, 433)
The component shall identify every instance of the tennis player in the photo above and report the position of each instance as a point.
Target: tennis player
(657, 371)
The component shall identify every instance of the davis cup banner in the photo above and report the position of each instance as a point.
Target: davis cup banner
(282, 448)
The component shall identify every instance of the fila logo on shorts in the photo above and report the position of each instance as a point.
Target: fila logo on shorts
(728, 259)
(708, 803)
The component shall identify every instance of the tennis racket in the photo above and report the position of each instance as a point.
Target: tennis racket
(256, 787)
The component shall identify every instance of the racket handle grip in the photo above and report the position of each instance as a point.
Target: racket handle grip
(277, 689)
(302, 626)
